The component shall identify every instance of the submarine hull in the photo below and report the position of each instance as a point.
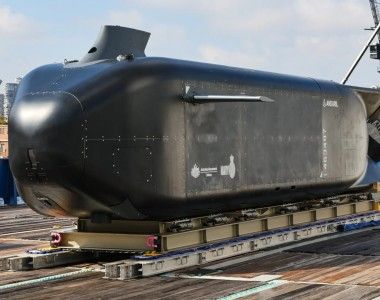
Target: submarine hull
(129, 145)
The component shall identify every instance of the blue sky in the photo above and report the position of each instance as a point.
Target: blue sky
(309, 38)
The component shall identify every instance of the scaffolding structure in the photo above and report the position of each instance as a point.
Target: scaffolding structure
(375, 49)
(375, 12)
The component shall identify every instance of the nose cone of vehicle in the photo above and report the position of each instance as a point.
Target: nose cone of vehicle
(46, 137)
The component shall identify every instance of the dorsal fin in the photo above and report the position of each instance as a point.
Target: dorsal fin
(115, 40)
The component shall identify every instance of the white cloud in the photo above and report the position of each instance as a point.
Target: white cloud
(253, 16)
(331, 16)
(165, 40)
(213, 54)
(310, 38)
(14, 24)
(130, 18)
(19, 34)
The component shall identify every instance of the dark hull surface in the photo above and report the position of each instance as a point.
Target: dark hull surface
(119, 139)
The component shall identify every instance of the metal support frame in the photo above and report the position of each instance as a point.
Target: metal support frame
(40, 261)
(138, 267)
(359, 57)
(162, 241)
(217, 242)
(104, 241)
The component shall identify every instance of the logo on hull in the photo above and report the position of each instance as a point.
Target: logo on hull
(195, 171)
(225, 170)
(330, 103)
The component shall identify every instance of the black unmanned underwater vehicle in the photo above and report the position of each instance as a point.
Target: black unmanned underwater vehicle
(124, 136)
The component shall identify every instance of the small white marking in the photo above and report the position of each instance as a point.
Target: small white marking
(229, 169)
(187, 88)
(330, 103)
(324, 154)
(195, 172)
(209, 170)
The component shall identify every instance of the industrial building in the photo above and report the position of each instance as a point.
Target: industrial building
(4, 141)
(1, 105)
(10, 96)
(1, 102)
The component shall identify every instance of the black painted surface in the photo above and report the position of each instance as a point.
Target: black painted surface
(120, 139)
